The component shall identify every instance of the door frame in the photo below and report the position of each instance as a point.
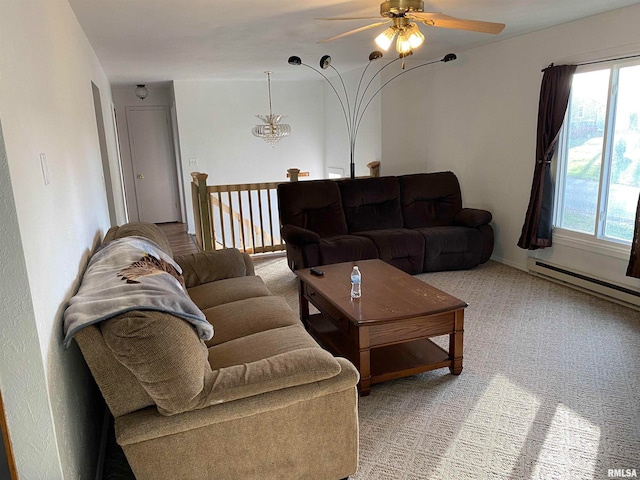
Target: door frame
(6, 441)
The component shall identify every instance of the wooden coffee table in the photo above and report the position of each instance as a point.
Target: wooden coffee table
(385, 333)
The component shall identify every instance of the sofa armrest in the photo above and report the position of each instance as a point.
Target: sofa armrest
(148, 424)
(298, 236)
(285, 370)
(205, 267)
(472, 217)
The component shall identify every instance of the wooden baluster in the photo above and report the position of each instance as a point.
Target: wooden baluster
(221, 213)
(264, 243)
(270, 212)
(251, 224)
(233, 227)
(243, 240)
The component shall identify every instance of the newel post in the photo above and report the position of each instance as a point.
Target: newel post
(293, 174)
(203, 208)
(374, 169)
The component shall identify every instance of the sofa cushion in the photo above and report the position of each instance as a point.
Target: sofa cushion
(260, 345)
(229, 290)
(344, 248)
(246, 317)
(400, 247)
(371, 203)
(314, 205)
(205, 267)
(429, 199)
(451, 248)
(140, 229)
(163, 352)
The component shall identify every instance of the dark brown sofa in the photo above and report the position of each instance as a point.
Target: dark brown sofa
(414, 222)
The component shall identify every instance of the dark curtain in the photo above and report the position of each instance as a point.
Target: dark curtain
(633, 270)
(554, 97)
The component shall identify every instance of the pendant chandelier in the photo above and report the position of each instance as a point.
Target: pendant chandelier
(272, 131)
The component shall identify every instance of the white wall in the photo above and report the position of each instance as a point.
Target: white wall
(215, 121)
(48, 232)
(477, 115)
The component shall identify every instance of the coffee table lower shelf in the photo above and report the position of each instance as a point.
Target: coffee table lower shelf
(386, 362)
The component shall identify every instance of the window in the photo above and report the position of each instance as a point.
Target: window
(599, 154)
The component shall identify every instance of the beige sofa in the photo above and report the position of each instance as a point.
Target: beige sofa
(259, 400)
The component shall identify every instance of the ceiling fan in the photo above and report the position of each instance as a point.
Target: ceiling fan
(403, 13)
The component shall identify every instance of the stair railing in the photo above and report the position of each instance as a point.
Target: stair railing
(243, 216)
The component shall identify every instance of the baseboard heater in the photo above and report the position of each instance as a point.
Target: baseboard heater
(581, 281)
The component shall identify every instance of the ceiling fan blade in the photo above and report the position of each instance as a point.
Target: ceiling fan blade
(357, 30)
(445, 21)
(349, 18)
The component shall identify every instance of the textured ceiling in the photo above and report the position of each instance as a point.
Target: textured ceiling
(153, 41)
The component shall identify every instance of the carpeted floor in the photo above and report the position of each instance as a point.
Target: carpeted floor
(550, 387)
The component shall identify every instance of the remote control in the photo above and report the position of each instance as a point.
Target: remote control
(316, 272)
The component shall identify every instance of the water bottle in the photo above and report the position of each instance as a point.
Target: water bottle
(356, 280)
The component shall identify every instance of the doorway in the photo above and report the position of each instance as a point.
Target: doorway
(153, 162)
(106, 170)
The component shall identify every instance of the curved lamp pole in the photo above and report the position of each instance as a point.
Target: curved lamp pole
(353, 114)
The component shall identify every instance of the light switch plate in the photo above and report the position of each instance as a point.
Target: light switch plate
(45, 168)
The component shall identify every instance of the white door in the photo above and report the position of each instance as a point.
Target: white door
(154, 166)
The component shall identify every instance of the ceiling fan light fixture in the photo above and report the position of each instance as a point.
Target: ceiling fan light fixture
(403, 45)
(385, 39)
(403, 15)
(416, 38)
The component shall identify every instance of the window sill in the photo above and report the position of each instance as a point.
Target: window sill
(587, 243)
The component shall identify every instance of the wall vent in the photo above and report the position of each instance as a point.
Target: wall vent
(586, 283)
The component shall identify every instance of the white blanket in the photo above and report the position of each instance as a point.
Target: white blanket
(131, 273)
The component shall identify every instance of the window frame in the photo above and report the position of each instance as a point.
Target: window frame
(597, 238)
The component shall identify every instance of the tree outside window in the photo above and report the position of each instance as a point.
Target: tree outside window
(599, 160)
